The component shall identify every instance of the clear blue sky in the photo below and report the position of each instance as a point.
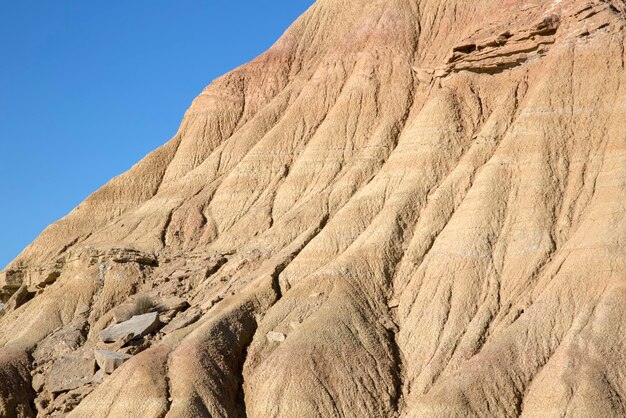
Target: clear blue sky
(87, 88)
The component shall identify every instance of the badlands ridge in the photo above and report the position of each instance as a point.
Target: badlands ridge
(409, 208)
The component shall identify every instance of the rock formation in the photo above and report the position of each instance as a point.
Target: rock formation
(409, 208)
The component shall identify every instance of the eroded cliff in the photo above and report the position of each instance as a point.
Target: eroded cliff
(403, 208)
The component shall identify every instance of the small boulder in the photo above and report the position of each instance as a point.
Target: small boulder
(82, 309)
(274, 336)
(38, 382)
(136, 327)
(110, 360)
(393, 303)
(98, 377)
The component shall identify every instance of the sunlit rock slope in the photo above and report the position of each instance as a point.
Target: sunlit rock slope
(411, 208)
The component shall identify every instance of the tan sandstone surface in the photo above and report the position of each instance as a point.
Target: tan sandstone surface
(409, 208)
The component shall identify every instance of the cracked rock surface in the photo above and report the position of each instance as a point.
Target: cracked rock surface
(410, 208)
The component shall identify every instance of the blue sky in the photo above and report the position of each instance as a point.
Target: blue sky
(87, 88)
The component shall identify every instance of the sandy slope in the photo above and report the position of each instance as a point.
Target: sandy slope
(403, 208)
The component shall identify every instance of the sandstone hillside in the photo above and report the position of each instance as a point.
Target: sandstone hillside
(411, 208)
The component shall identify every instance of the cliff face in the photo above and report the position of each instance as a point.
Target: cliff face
(403, 208)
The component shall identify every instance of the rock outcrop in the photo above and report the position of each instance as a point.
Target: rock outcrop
(406, 208)
(69, 373)
(135, 327)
